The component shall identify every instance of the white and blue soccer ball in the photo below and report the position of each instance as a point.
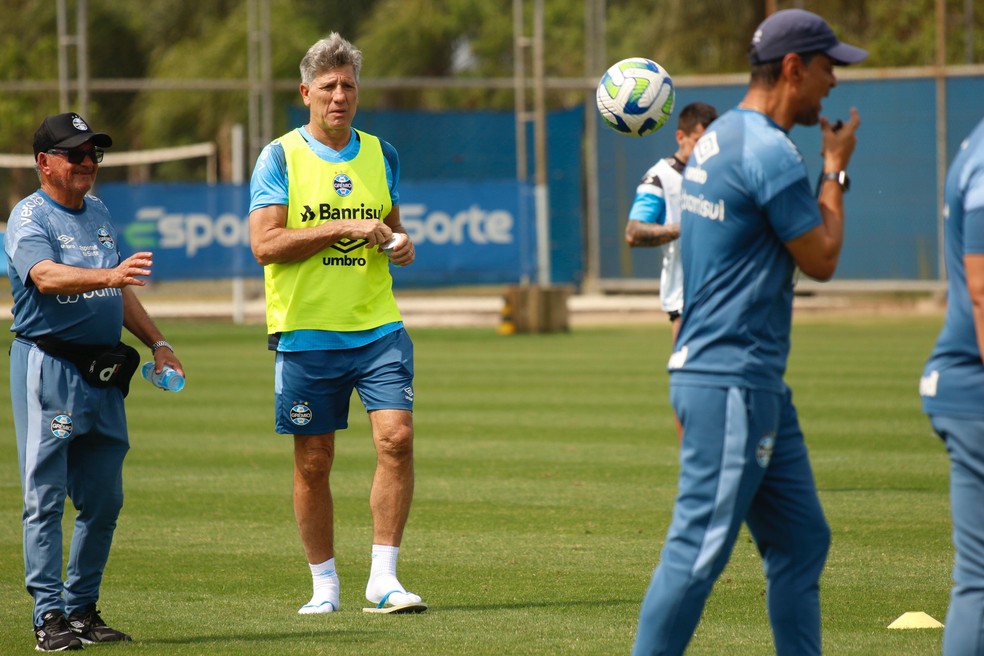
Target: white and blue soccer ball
(635, 96)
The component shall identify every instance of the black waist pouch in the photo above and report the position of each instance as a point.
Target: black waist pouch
(100, 366)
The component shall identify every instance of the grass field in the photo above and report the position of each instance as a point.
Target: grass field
(546, 471)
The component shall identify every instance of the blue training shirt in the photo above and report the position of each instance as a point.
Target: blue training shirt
(745, 193)
(40, 229)
(269, 186)
(953, 380)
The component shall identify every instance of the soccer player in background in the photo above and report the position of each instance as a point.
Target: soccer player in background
(324, 201)
(952, 390)
(749, 218)
(654, 219)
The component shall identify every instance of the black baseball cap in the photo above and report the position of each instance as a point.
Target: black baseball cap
(799, 31)
(67, 131)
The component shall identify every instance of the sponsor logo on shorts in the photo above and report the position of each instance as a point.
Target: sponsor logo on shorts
(61, 426)
(763, 452)
(300, 414)
(408, 393)
(342, 185)
(105, 238)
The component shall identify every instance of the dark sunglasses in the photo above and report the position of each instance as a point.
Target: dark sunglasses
(77, 155)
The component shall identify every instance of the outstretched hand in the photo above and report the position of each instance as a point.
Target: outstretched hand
(131, 270)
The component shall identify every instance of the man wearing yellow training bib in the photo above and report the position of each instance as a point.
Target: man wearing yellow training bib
(325, 225)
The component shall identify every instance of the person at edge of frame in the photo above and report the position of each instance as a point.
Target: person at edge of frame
(69, 374)
(952, 390)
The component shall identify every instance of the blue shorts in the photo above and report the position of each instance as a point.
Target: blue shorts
(313, 388)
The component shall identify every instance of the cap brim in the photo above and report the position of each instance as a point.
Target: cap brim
(843, 53)
(99, 139)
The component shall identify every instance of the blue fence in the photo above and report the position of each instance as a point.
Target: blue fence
(480, 147)
(465, 233)
(892, 208)
(474, 224)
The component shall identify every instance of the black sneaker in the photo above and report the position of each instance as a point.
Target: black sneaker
(89, 627)
(54, 633)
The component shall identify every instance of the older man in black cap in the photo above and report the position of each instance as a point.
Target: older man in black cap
(749, 218)
(72, 297)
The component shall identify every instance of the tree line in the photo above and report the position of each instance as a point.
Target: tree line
(192, 39)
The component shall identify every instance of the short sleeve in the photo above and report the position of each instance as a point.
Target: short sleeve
(793, 211)
(268, 186)
(393, 167)
(973, 212)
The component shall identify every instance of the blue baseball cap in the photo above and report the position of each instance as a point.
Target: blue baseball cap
(799, 31)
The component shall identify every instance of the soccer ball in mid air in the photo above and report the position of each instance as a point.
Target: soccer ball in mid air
(635, 96)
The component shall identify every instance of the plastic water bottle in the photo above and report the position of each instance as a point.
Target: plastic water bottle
(168, 379)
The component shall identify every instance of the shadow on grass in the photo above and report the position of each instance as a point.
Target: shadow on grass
(523, 605)
(217, 638)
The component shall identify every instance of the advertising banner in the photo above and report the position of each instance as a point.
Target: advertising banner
(464, 233)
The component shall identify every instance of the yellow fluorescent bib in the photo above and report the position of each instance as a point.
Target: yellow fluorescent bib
(347, 286)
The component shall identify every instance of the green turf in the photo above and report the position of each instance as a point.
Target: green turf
(545, 477)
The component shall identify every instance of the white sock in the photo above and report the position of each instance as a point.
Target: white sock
(382, 578)
(383, 560)
(326, 589)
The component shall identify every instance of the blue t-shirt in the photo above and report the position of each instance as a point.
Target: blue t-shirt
(745, 193)
(268, 186)
(953, 380)
(40, 229)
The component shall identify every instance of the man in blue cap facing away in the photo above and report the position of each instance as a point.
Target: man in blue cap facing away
(749, 218)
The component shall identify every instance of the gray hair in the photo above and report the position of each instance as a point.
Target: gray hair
(331, 52)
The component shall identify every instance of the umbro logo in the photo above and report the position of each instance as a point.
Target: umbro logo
(348, 245)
